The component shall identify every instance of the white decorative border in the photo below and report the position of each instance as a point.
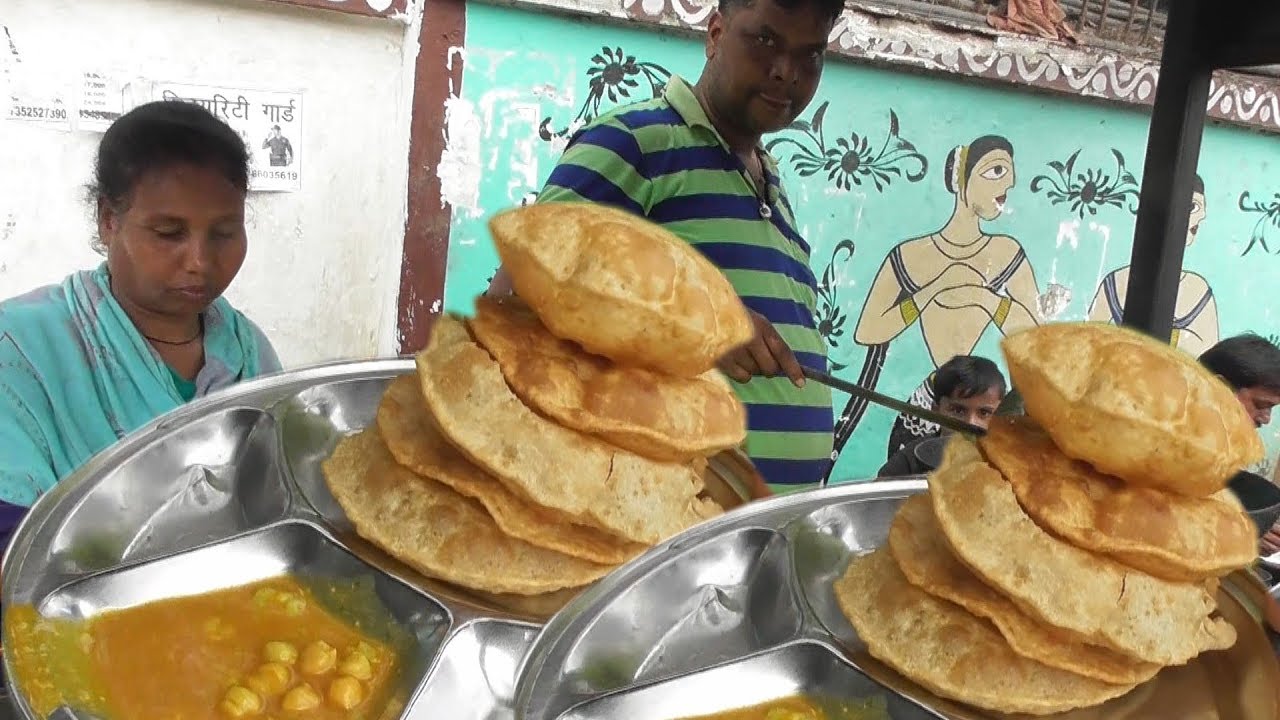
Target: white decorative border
(894, 39)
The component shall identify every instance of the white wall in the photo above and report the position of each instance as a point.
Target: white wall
(323, 270)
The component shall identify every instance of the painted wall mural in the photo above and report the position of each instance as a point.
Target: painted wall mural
(941, 215)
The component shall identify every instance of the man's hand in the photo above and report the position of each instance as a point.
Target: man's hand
(767, 354)
(1271, 540)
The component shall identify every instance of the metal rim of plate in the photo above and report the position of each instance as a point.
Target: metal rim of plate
(198, 481)
(706, 602)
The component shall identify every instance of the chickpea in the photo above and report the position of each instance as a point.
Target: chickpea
(357, 666)
(241, 702)
(303, 697)
(294, 606)
(280, 652)
(319, 658)
(346, 692)
(270, 679)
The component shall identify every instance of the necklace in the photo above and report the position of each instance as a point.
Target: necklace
(760, 185)
(981, 244)
(178, 343)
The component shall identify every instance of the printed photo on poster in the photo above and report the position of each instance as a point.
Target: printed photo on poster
(270, 122)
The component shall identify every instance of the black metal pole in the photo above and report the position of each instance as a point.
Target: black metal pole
(1173, 149)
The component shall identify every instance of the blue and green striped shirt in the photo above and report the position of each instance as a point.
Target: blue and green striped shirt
(662, 159)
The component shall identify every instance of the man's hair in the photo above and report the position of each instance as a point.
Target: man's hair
(1245, 361)
(830, 9)
(965, 376)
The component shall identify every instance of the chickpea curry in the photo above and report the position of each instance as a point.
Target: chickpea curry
(799, 707)
(266, 650)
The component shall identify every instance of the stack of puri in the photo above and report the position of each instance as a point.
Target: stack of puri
(557, 434)
(1067, 556)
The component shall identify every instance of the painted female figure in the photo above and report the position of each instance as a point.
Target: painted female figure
(960, 280)
(1195, 317)
(956, 282)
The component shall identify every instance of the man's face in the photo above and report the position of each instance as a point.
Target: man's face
(1257, 403)
(977, 410)
(768, 61)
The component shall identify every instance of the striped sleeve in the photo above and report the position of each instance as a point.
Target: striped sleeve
(602, 164)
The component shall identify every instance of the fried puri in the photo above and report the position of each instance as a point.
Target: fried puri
(929, 563)
(415, 441)
(1132, 407)
(651, 414)
(437, 531)
(1091, 597)
(621, 286)
(1170, 536)
(567, 472)
(952, 653)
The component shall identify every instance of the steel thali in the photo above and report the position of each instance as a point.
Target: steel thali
(227, 491)
(739, 611)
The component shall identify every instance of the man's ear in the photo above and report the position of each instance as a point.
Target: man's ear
(715, 32)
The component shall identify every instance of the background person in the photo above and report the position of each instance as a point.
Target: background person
(86, 362)
(1250, 364)
(968, 388)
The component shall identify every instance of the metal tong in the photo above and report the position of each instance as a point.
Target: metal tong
(929, 414)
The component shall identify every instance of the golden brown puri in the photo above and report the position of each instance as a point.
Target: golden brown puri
(621, 286)
(417, 443)
(1092, 597)
(651, 414)
(567, 472)
(1131, 406)
(1170, 536)
(928, 562)
(437, 531)
(943, 648)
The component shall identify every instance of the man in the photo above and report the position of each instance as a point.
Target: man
(967, 388)
(281, 149)
(692, 161)
(1251, 366)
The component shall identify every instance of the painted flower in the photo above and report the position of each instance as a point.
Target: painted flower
(1268, 223)
(850, 161)
(613, 75)
(1091, 190)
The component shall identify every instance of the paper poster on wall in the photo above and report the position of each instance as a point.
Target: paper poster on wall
(101, 101)
(270, 122)
(37, 100)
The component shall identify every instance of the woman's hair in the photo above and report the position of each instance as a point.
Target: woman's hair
(973, 154)
(160, 135)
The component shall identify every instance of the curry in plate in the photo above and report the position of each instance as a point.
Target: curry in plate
(269, 649)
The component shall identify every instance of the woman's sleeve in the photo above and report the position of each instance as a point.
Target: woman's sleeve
(26, 468)
(26, 465)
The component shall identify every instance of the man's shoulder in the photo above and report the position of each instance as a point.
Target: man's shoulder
(637, 116)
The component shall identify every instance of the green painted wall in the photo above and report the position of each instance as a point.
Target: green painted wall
(867, 173)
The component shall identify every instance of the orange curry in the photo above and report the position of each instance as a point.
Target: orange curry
(265, 650)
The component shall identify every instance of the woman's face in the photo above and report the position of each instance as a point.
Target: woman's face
(988, 185)
(1197, 217)
(178, 244)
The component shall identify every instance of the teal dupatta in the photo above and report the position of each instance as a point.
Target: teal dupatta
(76, 376)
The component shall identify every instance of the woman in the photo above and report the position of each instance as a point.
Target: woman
(1195, 317)
(957, 282)
(88, 361)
